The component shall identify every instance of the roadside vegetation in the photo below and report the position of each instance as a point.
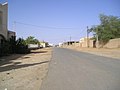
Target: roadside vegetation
(31, 40)
(19, 46)
(109, 28)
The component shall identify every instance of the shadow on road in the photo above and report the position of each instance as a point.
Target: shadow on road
(8, 62)
(35, 52)
(17, 66)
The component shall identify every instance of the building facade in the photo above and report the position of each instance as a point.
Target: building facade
(44, 44)
(4, 33)
(3, 21)
(87, 42)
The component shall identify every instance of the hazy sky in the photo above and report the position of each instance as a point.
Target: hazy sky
(56, 20)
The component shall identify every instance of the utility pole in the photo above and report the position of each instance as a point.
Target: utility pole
(87, 37)
(70, 38)
(14, 27)
(69, 43)
(97, 41)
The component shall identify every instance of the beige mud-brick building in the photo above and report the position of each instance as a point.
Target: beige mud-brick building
(44, 44)
(3, 21)
(87, 42)
(4, 33)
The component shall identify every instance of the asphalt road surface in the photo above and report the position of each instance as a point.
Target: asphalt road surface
(73, 70)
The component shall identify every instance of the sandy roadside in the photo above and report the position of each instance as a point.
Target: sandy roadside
(24, 72)
(113, 53)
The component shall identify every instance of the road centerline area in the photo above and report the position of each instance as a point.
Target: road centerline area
(72, 70)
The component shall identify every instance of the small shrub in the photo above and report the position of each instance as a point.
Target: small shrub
(21, 47)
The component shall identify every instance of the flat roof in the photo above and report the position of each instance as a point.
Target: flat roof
(3, 3)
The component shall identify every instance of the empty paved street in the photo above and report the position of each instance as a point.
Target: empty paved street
(72, 70)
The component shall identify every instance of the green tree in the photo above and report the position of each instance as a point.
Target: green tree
(12, 43)
(21, 46)
(31, 40)
(109, 28)
(5, 48)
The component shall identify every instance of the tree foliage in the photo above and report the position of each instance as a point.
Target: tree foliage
(21, 46)
(109, 28)
(31, 40)
(12, 45)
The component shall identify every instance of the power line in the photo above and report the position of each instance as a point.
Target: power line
(46, 26)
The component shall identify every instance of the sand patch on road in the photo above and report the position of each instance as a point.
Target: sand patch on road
(113, 53)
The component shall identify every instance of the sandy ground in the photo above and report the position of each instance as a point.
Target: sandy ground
(113, 53)
(24, 72)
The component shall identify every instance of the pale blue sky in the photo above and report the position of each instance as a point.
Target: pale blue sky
(63, 18)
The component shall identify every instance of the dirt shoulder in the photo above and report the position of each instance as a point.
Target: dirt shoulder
(24, 72)
(113, 53)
